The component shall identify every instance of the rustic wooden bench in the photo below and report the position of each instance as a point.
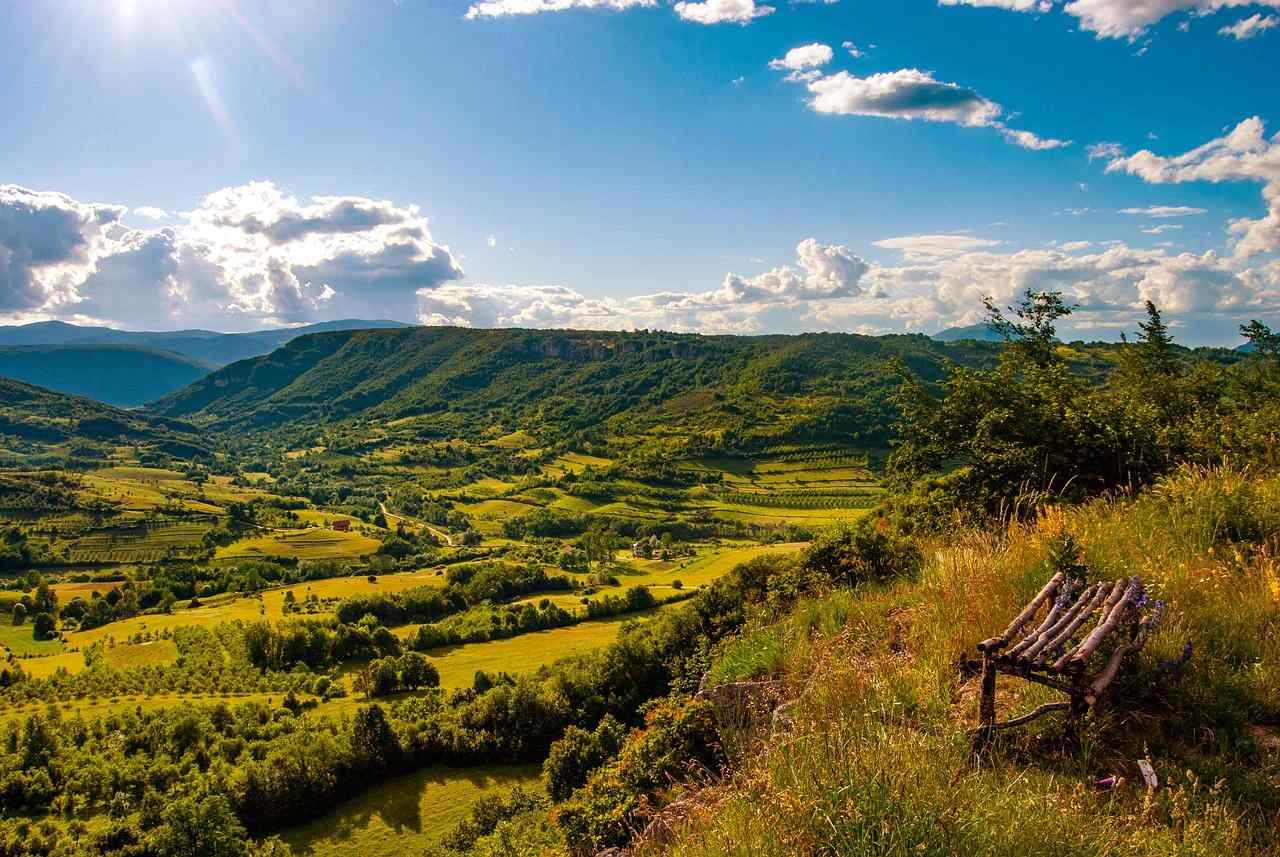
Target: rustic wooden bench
(1113, 617)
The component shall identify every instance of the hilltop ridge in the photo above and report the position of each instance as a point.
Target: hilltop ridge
(562, 383)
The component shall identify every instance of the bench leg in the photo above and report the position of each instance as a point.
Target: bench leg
(1075, 714)
(987, 705)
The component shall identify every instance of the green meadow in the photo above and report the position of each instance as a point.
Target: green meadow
(405, 814)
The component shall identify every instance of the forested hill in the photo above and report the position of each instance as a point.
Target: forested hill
(725, 391)
(39, 425)
(121, 375)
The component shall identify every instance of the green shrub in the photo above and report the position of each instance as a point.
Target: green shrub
(679, 739)
(869, 550)
(577, 754)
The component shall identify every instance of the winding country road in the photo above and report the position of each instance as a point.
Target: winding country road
(410, 522)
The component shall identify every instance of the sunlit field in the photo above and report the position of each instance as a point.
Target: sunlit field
(313, 543)
(404, 814)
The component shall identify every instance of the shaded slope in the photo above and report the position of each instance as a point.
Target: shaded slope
(35, 423)
(116, 374)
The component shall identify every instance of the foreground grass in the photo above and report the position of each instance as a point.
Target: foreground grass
(404, 815)
(877, 762)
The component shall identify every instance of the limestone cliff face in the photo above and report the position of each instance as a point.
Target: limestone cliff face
(581, 350)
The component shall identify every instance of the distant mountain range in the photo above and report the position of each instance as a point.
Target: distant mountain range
(205, 346)
(128, 367)
(980, 332)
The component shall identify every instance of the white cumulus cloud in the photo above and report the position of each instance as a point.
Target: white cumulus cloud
(804, 57)
(1130, 19)
(151, 212)
(47, 240)
(905, 94)
(913, 94)
(722, 11)
(933, 246)
(1243, 154)
(1096, 151)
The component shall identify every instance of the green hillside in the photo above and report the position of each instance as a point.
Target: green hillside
(116, 374)
(36, 424)
(735, 391)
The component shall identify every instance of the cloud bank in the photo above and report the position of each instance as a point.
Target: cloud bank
(255, 255)
(937, 281)
(245, 256)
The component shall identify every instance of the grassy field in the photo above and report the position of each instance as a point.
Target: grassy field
(122, 656)
(311, 543)
(18, 639)
(488, 515)
(526, 653)
(143, 489)
(251, 608)
(692, 572)
(67, 591)
(244, 608)
(523, 654)
(346, 587)
(403, 816)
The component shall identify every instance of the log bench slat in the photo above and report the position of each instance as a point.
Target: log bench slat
(1057, 651)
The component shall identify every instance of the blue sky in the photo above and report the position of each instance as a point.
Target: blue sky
(605, 167)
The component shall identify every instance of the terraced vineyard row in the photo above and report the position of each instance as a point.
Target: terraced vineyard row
(144, 542)
(833, 456)
(852, 499)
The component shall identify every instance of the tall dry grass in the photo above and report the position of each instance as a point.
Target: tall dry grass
(877, 762)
